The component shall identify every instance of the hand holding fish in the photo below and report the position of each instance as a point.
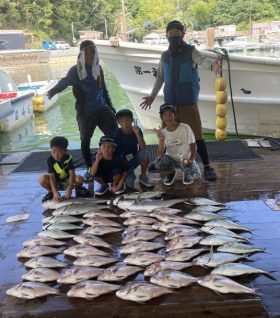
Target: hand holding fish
(216, 66)
(56, 196)
(68, 193)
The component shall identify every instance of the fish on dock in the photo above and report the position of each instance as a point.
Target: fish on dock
(162, 265)
(78, 274)
(101, 212)
(204, 216)
(94, 260)
(216, 240)
(222, 284)
(143, 258)
(100, 230)
(90, 239)
(203, 201)
(45, 241)
(182, 255)
(177, 232)
(90, 289)
(31, 290)
(226, 224)
(37, 250)
(141, 291)
(239, 248)
(41, 275)
(139, 235)
(172, 279)
(61, 226)
(56, 234)
(81, 250)
(140, 246)
(220, 231)
(182, 242)
(118, 272)
(98, 220)
(62, 219)
(215, 259)
(44, 261)
(139, 220)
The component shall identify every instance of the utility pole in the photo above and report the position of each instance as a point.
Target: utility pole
(73, 36)
(124, 17)
(106, 29)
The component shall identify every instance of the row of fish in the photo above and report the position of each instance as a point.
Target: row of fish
(143, 224)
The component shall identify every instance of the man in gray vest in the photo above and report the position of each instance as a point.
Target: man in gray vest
(183, 91)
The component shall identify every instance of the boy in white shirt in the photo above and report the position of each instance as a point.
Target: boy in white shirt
(176, 149)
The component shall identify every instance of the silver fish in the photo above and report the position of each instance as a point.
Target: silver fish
(216, 259)
(182, 255)
(222, 284)
(91, 289)
(134, 227)
(62, 219)
(90, 239)
(94, 260)
(141, 291)
(44, 261)
(177, 231)
(139, 220)
(37, 250)
(226, 224)
(61, 226)
(239, 248)
(147, 205)
(98, 220)
(164, 210)
(73, 209)
(140, 246)
(172, 279)
(118, 272)
(139, 235)
(101, 212)
(81, 250)
(238, 269)
(204, 216)
(164, 227)
(209, 208)
(100, 230)
(130, 214)
(216, 239)
(41, 275)
(45, 241)
(56, 234)
(142, 195)
(182, 242)
(78, 274)
(31, 290)
(143, 258)
(220, 231)
(203, 201)
(52, 204)
(162, 265)
(173, 219)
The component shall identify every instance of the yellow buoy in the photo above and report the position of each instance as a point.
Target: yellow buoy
(221, 122)
(38, 103)
(221, 110)
(220, 84)
(220, 134)
(221, 97)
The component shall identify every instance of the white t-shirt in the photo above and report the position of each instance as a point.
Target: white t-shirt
(177, 142)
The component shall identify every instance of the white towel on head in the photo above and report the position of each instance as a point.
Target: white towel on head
(81, 65)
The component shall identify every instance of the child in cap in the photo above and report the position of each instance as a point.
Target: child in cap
(176, 149)
(107, 168)
(131, 147)
(61, 173)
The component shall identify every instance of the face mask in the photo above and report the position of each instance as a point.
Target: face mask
(175, 42)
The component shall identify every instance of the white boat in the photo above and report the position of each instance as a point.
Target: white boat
(40, 101)
(15, 106)
(255, 87)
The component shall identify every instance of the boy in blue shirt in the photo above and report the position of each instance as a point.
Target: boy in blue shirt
(108, 169)
(131, 147)
(61, 173)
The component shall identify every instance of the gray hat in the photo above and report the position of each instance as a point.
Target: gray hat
(104, 139)
(167, 107)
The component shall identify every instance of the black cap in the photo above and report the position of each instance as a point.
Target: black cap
(86, 43)
(165, 107)
(104, 139)
(175, 25)
(124, 113)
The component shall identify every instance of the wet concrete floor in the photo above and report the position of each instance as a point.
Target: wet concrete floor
(243, 186)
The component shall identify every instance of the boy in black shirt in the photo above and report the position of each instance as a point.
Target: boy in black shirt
(107, 168)
(61, 173)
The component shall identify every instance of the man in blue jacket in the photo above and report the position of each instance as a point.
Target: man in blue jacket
(178, 71)
(93, 104)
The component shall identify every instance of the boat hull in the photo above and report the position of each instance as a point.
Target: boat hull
(21, 113)
(254, 84)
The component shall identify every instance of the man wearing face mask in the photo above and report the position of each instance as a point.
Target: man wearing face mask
(179, 72)
(93, 104)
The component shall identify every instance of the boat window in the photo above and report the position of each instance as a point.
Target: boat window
(5, 82)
